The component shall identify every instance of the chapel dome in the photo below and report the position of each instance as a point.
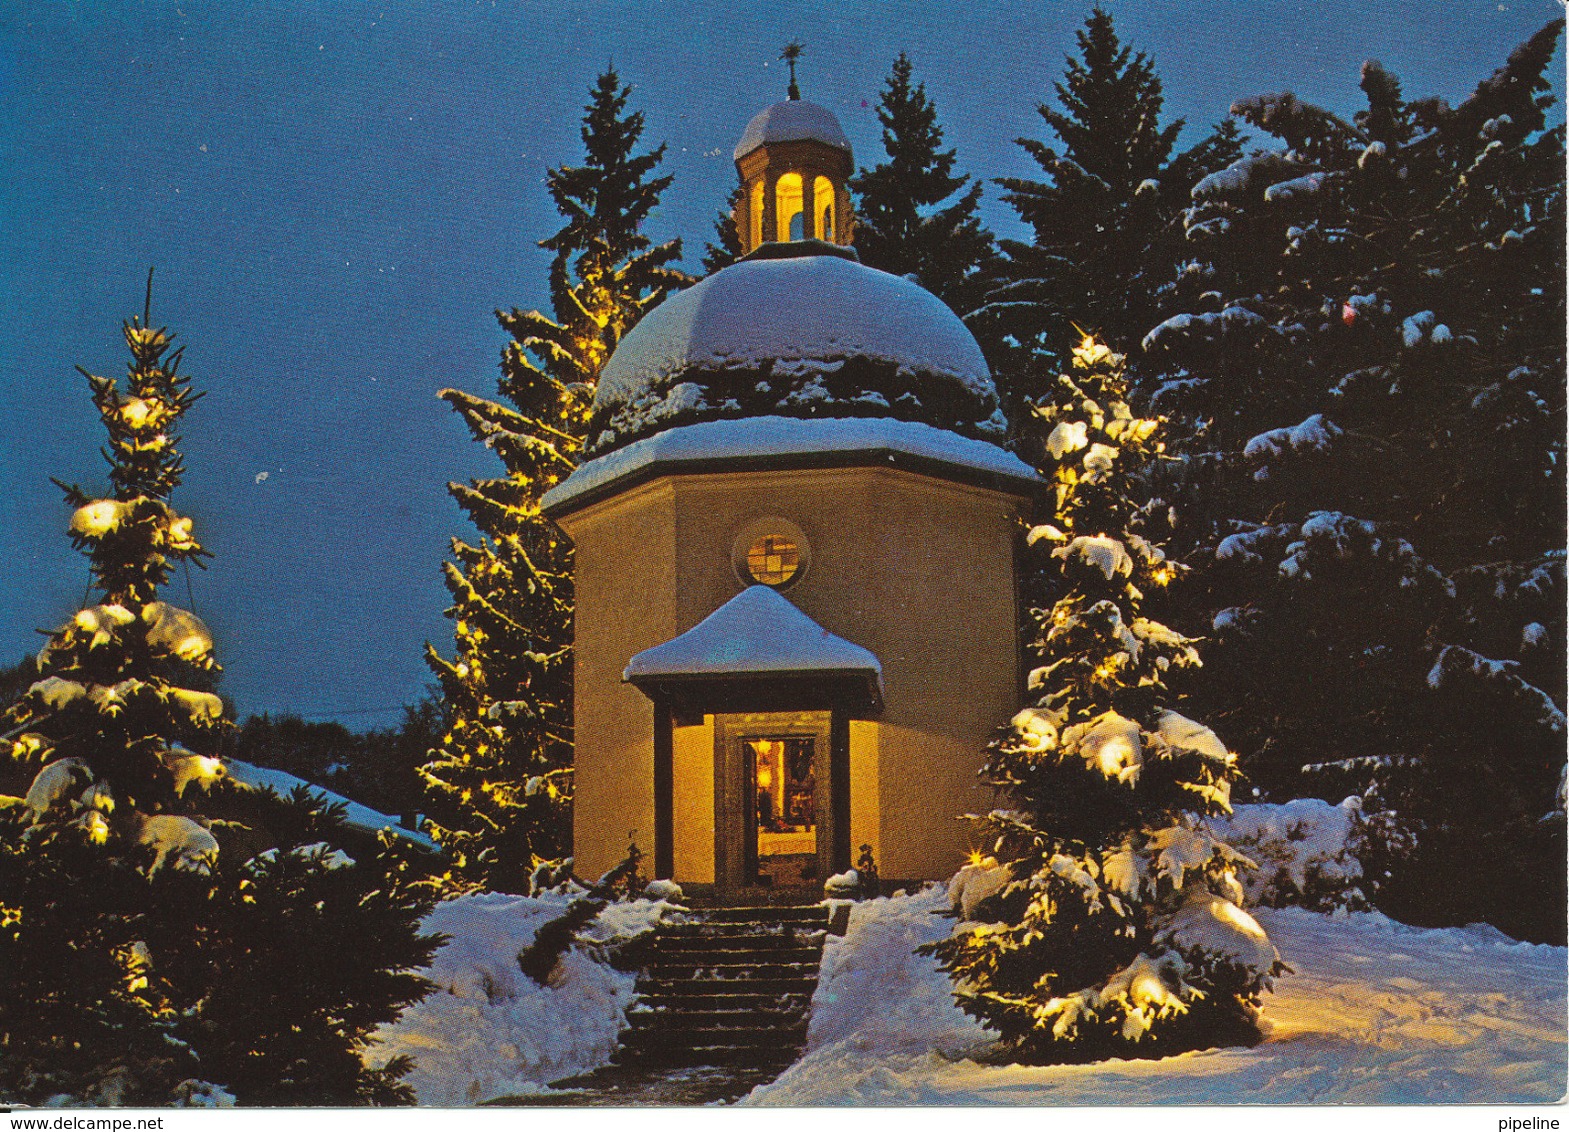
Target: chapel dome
(796, 330)
(792, 120)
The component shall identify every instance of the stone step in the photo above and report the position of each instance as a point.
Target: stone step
(810, 957)
(695, 922)
(714, 1037)
(744, 935)
(788, 913)
(773, 1056)
(644, 1084)
(725, 987)
(661, 1002)
(737, 945)
(711, 988)
(784, 1017)
(673, 969)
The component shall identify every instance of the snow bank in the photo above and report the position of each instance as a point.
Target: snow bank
(1374, 1012)
(488, 1030)
(876, 996)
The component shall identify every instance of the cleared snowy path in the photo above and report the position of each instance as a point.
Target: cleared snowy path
(1375, 1013)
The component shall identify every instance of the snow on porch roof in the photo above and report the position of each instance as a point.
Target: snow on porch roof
(757, 632)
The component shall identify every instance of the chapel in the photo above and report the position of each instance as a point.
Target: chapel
(795, 530)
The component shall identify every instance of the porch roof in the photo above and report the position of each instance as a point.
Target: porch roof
(758, 635)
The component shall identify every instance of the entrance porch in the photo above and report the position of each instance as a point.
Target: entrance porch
(754, 782)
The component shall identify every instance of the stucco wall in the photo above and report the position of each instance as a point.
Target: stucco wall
(693, 758)
(625, 603)
(916, 569)
(865, 828)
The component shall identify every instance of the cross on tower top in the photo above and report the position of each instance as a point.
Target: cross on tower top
(790, 54)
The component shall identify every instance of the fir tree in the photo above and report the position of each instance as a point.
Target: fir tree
(500, 781)
(1370, 356)
(1104, 240)
(718, 256)
(902, 225)
(1107, 920)
(129, 916)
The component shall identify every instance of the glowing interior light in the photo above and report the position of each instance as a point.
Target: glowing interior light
(787, 207)
(823, 207)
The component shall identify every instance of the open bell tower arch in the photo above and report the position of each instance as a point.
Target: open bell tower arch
(794, 162)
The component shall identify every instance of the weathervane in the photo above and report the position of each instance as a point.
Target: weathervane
(790, 54)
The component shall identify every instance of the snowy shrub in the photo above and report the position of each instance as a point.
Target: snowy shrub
(842, 886)
(1304, 850)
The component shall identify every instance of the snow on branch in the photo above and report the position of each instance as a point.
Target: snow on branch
(1458, 661)
(1242, 175)
(1316, 434)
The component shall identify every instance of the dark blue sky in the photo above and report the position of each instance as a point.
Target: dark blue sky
(337, 195)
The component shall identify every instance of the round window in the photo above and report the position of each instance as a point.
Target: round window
(773, 560)
(771, 551)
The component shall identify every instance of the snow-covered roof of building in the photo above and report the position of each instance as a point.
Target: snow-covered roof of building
(798, 333)
(355, 815)
(757, 632)
(777, 441)
(793, 120)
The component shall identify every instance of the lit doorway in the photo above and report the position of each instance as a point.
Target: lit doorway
(773, 800)
(783, 775)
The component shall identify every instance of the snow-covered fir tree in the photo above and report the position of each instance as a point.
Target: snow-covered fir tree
(1107, 918)
(1370, 360)
(500, 781)
(914, 216)
(1105, 237)
(142, 942)
(729, 248)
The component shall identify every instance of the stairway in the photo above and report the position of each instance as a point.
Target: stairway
(731, 986)
(721, 1007)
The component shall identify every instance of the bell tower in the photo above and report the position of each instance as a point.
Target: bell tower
(794, 161)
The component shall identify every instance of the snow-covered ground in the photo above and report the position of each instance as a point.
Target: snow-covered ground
(1375, 1012)
(488, 1030)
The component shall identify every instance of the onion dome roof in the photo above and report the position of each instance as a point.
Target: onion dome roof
(796, 330)
(792, 120)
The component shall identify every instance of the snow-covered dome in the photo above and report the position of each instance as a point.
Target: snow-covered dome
(796, 330)
(792, 120)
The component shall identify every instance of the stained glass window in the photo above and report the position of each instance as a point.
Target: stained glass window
(773, 560)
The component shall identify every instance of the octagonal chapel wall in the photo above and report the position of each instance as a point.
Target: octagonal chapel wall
(917, 569)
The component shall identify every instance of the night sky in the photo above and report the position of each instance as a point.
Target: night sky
(337, 195)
